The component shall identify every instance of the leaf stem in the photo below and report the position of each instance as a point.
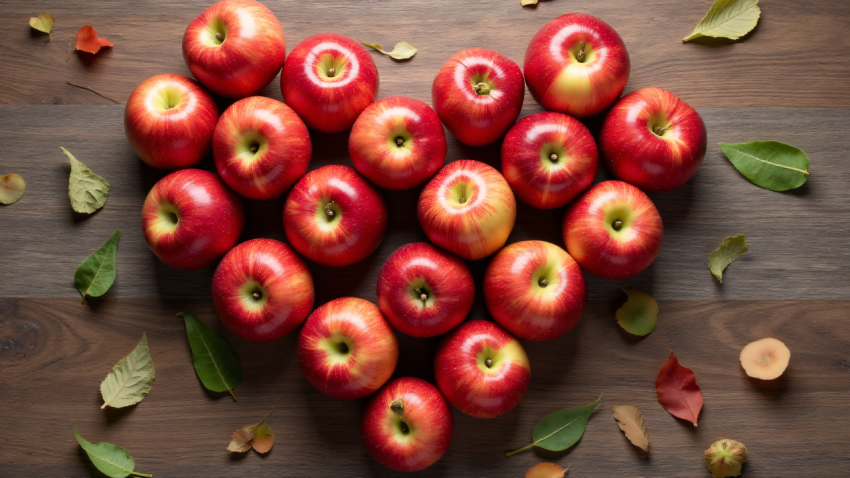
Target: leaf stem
(141, 474)
(518, 450)
(232, 394)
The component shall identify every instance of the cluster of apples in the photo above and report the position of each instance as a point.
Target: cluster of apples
(576, 66)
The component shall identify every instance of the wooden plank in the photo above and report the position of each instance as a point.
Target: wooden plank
(796, 57)
(797, 238)
(54, 353)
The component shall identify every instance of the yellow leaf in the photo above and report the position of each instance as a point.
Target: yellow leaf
(546, 470)
(401, 51)
(527, 2)
(43, 22)
(730, 19)
(630, 420)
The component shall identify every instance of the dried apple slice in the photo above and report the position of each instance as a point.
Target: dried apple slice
(765, 359)
(12, 188)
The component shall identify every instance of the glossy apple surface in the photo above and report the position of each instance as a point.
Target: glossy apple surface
(613, 230)
(261, 147)
(468, 209)
(262, 290)
(329, 79)
(576, 64)
(653, 140)
(169, 121)
(407, 426)
(482, 370)
(548, 159)
(334, 217)
(398, 143)
(235, 47)
(423, 291)
(347, 349)
(478, 95)
(190, 219)
(535, 290)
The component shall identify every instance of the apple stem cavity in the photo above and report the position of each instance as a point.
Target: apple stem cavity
(482, 88)
(488, 363)
(581, 55)
(617, 225)
(397, 406)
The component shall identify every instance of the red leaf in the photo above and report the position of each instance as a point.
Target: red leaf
(678, 391)
(88, 41)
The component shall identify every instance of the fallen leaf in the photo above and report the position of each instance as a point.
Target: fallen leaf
(12, 187)
(215, 362)
(728, 252)
(260, 436)
(546, 470)
(639, 313)
(527, 2)
(43, 22)
(88, 41)
(560, 430)
(630, 420)
(401, 51)
(130, 379)
(95, 275)
(728, 19)
(87, 190)
(111, 460)
(769, 164)
(678, 391)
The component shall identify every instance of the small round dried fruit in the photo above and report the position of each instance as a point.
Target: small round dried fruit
(12, 188)
(726, 457)
(765, 359)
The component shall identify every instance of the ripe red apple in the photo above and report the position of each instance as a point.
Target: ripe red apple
(424, 291)
(468, 208)
(576, 64)
(329, 79)
(407, 426)
(548, 159)
(613, 230)
(482, 370)
(261, 147)
(334, 217)
(478, 94)
(397, 143)
(347, 349)
(262, 290)
(235, 47)
(653, 140)
(169, 121)
(190, 219)
(535, 290)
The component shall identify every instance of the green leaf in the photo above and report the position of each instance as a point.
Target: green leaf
(111, 460)
(96, 273)
(43, 22)
(728, 19)
(130, 379)
(639, 314)
(12, 187)
(401, 51)
(729, 251)
(216, 363)
(560, 430)
(769, 164)
(88, 191)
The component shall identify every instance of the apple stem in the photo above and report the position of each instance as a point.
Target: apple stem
(553, 157)
(488, 363)
(659, 130)
(462, 200)
(580, 56)
(618, 224)
(328, 210)
(397, 406)
(482, 88)
(219, 37)
(399, 141)
(256, 295)
(331, 72)
(543, 282)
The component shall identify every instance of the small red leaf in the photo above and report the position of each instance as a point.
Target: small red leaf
(104, 42)
(88, 41)
(678, 391)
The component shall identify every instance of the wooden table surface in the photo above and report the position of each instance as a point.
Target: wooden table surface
(789, 80)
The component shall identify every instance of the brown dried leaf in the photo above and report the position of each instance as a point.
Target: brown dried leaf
(630, 420)
(259, 436)
(546, 470)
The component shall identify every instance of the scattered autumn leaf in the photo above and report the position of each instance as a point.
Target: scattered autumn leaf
(401, 51)
(765, 359)
(639, 313)
(130, 379)
(111, 460)
(728, 19)
(728, 252)
(88, 191)
(43, 22)
(12, 187)
(546, 470)
(259, 436)
(525, 3)
(678, 391)
(561, 429)
(88, 41)
(630, 420)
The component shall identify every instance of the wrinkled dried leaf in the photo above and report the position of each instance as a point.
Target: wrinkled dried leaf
(639, 313)
(678, 391)
(546, 470)
(12, 187)
(401, 51)
(130, 379)
(88, 41)
(260, 436)
(728, 19)
(630, 420)
(95, 275)
(729, 251)
(525, 3)
(112, 460)
(87, 190)
(43, 22)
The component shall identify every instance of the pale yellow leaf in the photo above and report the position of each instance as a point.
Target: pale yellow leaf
(630, 420)
(728, 19)
(401, 51)
(43, 22)
(527, 2)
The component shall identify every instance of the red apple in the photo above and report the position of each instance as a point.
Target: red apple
(329, 79)
(169, 121)
(548, 159)
(261, 147)
(235, 48)
(407, 426)
(653, 140)
(468, 208)
(190, 219)
(262, 290)
(576, 64)
(347, 349)
(334, 217)
(482, 370)
(424, 291)
(397, 143)
(613, 230)
(535, 290)
(478, 94)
